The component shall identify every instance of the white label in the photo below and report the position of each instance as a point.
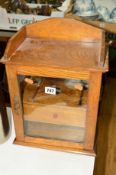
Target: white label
(12, 21)
(50, 90)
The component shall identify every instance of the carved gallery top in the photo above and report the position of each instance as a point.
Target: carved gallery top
(72, 45)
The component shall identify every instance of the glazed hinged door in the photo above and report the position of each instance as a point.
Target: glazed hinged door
(54, 108)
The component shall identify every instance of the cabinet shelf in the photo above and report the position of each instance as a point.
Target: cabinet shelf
(59, 116)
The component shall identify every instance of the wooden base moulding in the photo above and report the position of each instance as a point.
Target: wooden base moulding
(56, 148)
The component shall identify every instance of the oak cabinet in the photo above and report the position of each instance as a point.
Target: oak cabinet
(54, 70)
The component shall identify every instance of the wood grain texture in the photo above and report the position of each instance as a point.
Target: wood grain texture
(14, 42)
(56, 148)
(53, 143)
(66, 55)
(15, 94)
(54, 72)
(54, 44)
(60, 115)
(106, 138)
(59, 48)
(52, 131)
(93, 102)
(64, 28)
(63, 108)
(103, 51)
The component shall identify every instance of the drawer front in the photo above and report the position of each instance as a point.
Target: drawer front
(53, 114)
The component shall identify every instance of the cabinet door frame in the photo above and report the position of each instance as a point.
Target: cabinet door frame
(92, 108)
(15, 99)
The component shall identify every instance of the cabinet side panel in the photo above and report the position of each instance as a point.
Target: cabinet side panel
(92, 111)
(14, 42)
(15, 101)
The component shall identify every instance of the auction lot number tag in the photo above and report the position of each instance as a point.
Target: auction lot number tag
(50, 90)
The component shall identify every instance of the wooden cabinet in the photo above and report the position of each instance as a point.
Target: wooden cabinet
(54, 69)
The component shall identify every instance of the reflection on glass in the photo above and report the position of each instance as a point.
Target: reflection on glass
(55, 108)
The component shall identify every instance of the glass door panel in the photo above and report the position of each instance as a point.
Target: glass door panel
(54, 108)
